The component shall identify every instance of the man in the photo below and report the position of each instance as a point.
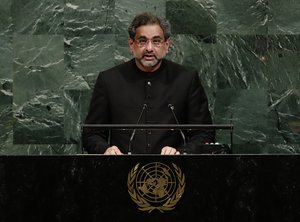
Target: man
(147, 90)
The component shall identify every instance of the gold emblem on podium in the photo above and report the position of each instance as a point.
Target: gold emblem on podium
(156, 186)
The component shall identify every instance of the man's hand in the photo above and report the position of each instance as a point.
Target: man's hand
(167, 150)
(113, 150)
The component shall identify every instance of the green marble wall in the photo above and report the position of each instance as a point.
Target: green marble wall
(247, 51)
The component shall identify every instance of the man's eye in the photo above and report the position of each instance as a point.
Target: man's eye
(143, 41)
(157, 41)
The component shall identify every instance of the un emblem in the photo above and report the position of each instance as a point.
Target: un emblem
(156, 186)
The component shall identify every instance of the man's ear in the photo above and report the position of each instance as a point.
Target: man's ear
(130, 44)
(167, 43)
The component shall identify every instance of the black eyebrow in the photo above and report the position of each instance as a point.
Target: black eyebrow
(155, 37)
(144, 37)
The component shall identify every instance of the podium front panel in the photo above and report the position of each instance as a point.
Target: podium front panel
(150, 188)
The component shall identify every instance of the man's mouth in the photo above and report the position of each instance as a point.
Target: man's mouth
(149, 57)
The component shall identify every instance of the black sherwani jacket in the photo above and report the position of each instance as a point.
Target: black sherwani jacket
(119, 96)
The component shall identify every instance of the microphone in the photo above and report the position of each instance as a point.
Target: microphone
(182, 134)
(133, 133)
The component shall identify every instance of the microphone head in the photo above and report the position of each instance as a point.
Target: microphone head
(170, 106)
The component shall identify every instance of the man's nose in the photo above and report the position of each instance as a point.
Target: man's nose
(149, 46)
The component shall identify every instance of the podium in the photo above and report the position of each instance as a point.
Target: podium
(99, 188)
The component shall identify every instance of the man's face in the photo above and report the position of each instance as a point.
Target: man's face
(149, 47)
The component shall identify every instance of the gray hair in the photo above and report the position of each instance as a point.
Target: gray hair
(146, 18)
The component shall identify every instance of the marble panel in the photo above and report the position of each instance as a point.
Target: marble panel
(283, 63)
(283, 74)
(266, 148)
(76, 108)
(86, 56)
(241, 61)
(40, 149)
(38, 17)
(38, 77)
(242, 17)
(248, 110)
(6, 57)
(287, 109)
(89, 17)
(284, 17)
(6, 95)
(192, 17)
(38, 64)
(6, 117)
(125, 10)
(6, 121)
(5, 17)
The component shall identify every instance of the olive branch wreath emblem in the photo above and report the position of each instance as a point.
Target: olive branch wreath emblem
(143, 204)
